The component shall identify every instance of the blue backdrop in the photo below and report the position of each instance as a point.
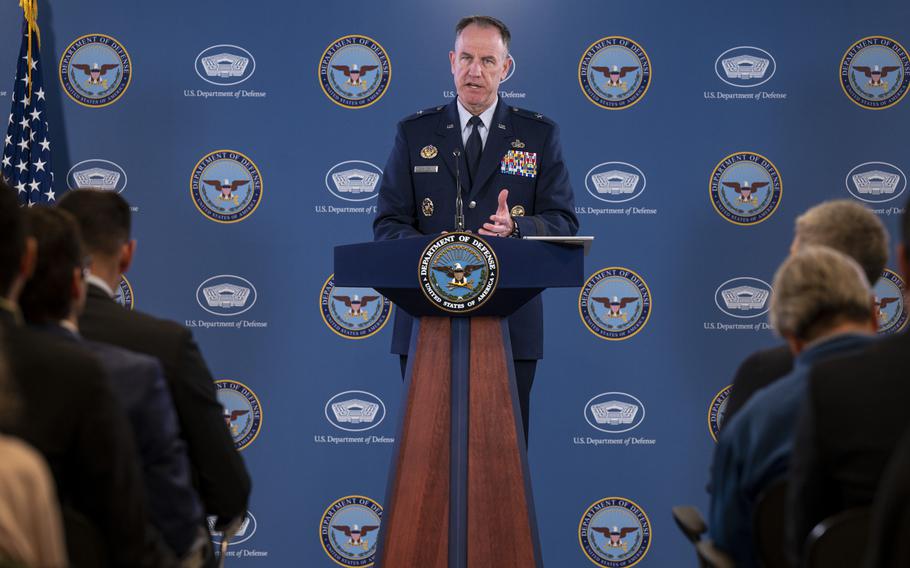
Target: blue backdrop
(173, 114)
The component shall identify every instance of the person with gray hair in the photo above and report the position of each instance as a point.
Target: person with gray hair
(843, 225)
(822, 307)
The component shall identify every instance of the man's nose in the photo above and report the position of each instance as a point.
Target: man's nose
(474, 69)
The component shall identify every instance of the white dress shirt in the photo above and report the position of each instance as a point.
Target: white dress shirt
(486, 116)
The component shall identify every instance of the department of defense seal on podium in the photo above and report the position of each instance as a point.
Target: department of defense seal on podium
(458, 272)
(349, 530)
(745, 188)
(354, 71)
(875, 72)
(614, 532)
(614, 303)
(614, 72)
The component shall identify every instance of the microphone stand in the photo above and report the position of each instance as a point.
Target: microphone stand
(459, 205)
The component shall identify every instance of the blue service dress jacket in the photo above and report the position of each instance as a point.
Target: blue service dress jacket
(417, 194)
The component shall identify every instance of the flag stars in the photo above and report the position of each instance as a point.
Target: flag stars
(20, 187)
(23, 145)
(35, 114)
(6, 163)
(45, 144)
(50, 194)
(39, 165)
(34, 185)
(26, 100)
(22, 166)
(24, 123)
(40, 94)
(8, 140)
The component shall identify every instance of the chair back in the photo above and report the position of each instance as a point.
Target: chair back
(768, 522)
(839, 540)
(692, 525)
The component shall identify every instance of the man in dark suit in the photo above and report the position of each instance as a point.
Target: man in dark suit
(845, 226)
(51, 302)
(219, 474)
(889, 537)
(509, 162)
(854, 415)
(72, 417)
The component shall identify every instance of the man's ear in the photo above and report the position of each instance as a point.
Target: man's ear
(126, 255)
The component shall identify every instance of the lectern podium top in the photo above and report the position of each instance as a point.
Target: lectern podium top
(525, 268)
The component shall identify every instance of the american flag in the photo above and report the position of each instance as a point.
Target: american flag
(26, 160)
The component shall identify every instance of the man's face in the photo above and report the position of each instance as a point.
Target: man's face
(479, 63)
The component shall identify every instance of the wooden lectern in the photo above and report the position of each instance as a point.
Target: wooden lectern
(459, 493)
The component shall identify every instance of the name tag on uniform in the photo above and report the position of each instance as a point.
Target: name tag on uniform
(519, 163)
(426, 169)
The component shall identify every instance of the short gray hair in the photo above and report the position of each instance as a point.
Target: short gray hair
(816, 289)
(485, 22)
(850, 228)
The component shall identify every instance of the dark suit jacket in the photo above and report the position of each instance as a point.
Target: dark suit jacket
(547, 197)
(759, 370)
(855, 412)
(71, 416)
(138, 383)
(218, 470)
(889, 542)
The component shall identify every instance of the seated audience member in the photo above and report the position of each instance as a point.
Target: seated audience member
(856, 410)
(843, 225)
(219, 474)
(51, 302)
(889, 537)
(822, 307)
(73, 418)
(31, 532)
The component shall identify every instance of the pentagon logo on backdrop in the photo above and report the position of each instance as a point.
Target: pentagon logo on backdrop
(95, 70)
(614, 72)
(354, 71)
(226, 295)
(745, 188)
(743, 297)
(615, 303)
(242, 411)
(244, 533)
(614, 412)
(353, 313)
(876, 182)
(349, 530)
(875, 72)
(717, 411)
(355, 411)
(123, 294)
(225, 65)
(354, 180)
(614, 532)
(96, 174)
(226, 186)
(745, 66)
(458, 272)
(890, 305)
(615, 182)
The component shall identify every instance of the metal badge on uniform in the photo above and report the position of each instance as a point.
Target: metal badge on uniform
(428, 152)
(426, 169)
(518, 163)
(518, 211)
(427, 207)
(518, 143)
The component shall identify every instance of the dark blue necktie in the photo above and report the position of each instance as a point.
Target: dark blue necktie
(474, 147)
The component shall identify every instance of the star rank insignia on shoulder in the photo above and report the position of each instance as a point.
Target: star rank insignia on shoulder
(424, 112)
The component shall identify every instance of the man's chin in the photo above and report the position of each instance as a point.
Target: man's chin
(474, 99)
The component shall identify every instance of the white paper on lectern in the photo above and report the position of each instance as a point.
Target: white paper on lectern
(576, 240)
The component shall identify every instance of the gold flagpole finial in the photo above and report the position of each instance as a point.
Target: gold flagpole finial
(30, 11)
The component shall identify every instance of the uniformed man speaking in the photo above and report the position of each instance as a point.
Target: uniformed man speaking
(510, 165)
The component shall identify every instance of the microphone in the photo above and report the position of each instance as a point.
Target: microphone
(459, 205)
